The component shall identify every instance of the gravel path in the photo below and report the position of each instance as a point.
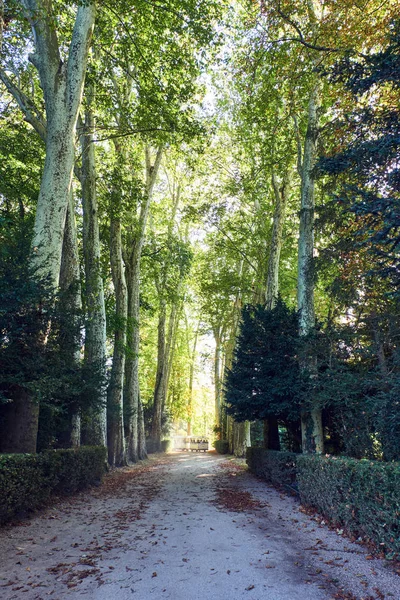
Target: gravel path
(185, 527)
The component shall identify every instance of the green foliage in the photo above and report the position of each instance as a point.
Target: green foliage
(221, 446)
(264, 379)
(166, 445)
(360, 495)
(364, 166)
(27, 481)
(357, 387)
(278, 468)
(25, 306)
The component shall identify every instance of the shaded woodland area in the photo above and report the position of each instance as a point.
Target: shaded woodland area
(196, 192)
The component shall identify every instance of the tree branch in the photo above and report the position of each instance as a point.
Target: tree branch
(78, 53)
(31, 113)
(47, 58)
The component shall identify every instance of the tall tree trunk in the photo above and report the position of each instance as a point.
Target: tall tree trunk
(238, 434)
(191, 379)
(71, 294)
(281, 193)
(62, 85)
(95, 338)
(171, 343)
(131, 393)
(142, 451)
(131, 390)
(1, 23)
(241, 438)
(115, 423)
(217, 376)
(156, 424)
(165, 339)
(311, 420)
(271, 434)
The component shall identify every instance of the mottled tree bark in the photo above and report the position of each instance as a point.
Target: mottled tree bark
(311, 420)
(133, 256)
(159, 389)
(70, 289)
(191, 378)
(62, 85)
(115, 423)
(95, 338)
(217, 375)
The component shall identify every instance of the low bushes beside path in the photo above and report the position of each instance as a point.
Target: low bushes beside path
(363, 496)
(28, 480)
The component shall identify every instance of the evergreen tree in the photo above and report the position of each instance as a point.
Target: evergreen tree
(264, 380)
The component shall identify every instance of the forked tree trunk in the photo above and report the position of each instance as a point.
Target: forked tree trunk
(95, 338)
(62, 85)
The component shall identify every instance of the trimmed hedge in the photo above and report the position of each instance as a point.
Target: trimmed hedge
(278, 468)
(166, 445)
(362, 496)
(221, 446)
(28, 480)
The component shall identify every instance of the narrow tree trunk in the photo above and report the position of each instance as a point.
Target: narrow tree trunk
(191, 381)
(71, 294)
(170, 344)
(271, 434)
(165, 339)
(311, 421)
(281, 198)
(131, 395)
(217, 377)
(1, 23)
(142, 451)
(271, 431)
(156, 424)
(95, 339)
(115, 423)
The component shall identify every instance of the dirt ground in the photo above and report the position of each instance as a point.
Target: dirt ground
(185, 527)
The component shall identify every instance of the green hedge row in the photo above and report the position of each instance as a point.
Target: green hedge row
(221, 446)
(28, 480)
(362, 496)
(278, 468)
